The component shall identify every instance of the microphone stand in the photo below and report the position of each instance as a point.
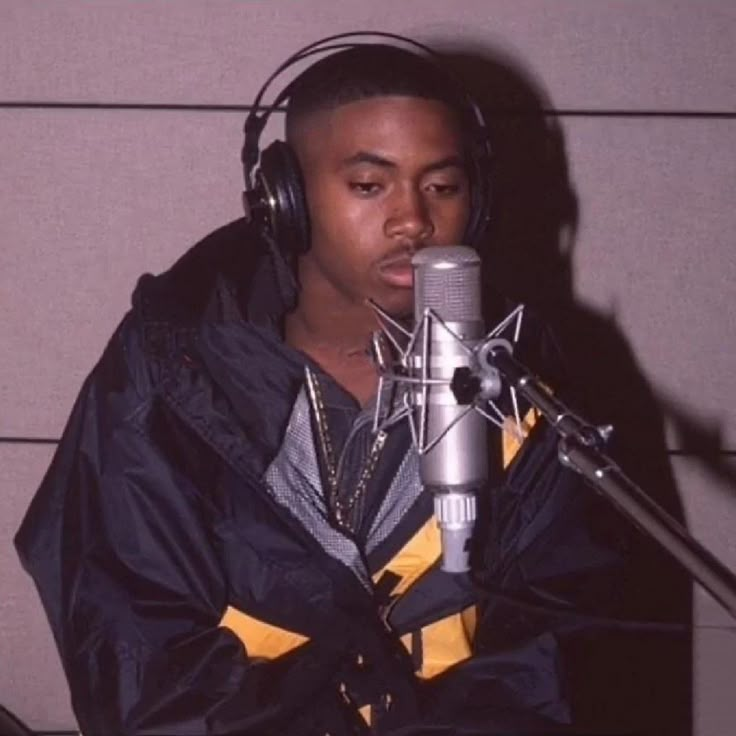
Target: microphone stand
(580, 450)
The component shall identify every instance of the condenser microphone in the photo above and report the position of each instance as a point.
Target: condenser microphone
(453, 461)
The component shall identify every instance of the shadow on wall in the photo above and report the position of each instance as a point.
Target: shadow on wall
(701, 441)
(635, 682)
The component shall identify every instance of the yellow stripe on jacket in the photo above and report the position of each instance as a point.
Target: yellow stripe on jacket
(261, 640)
(449, 640)
(444, 643)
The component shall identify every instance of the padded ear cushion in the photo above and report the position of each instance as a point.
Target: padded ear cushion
(480, 195)
(284, 188)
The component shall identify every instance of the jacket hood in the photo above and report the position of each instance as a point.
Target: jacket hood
(233, 274)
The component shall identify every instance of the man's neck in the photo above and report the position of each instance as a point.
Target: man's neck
(337, 339)
(338, 331)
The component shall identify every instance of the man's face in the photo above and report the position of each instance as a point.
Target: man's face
(384, 177)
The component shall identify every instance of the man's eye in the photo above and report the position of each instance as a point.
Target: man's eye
(444, 190)
(365, 188)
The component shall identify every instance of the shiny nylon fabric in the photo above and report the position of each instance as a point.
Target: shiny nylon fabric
(157, 514)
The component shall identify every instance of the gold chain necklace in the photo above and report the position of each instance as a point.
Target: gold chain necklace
(341, 507)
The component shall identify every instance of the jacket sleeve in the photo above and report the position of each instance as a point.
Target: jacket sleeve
(128, 572)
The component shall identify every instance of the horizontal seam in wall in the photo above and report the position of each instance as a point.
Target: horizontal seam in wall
(701, 453)
(29, 441)
(501, 112)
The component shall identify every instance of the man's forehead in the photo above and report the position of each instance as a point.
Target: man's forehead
(376, 119)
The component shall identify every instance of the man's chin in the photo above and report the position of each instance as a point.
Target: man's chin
(399, 304)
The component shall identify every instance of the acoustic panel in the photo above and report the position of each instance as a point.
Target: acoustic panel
(608, 54)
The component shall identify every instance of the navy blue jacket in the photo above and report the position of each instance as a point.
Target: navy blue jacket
(161, 527)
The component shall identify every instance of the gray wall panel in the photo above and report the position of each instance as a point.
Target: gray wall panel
(708, 489)
(96, 199)
(128, 192)
(655, 252)
(605, 54)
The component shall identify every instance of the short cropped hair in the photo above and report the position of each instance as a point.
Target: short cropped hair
(366, 71)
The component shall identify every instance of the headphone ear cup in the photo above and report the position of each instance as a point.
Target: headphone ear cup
(281, 178)
(480, 196)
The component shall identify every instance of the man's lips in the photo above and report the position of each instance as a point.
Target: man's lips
(398, 272)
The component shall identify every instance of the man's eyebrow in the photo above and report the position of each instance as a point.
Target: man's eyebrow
(448, 162)
(366, 157)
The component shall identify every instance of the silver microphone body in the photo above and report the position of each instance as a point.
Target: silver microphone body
(447, 286)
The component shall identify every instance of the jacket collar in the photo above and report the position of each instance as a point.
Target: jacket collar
(232, 275)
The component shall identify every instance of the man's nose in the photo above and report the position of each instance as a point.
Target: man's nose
(409, 216)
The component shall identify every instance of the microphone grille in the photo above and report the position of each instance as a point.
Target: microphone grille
(447, 280)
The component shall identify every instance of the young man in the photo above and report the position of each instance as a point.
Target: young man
(221, 543)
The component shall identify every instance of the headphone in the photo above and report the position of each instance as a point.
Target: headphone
(274, 197)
